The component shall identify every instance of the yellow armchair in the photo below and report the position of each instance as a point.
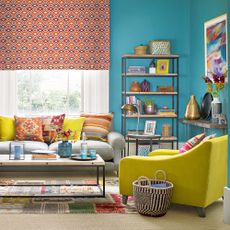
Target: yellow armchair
(199, 175)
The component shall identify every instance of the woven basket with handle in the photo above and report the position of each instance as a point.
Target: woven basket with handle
(152, 200)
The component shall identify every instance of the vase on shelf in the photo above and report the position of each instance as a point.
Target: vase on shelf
(192, 111)
(65, 149)
(216, 109)
(135, 86)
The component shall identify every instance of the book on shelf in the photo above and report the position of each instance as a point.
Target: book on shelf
(166, 113)
(136, 69)
(166, 110)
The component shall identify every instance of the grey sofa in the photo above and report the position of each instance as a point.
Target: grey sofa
(109, 151)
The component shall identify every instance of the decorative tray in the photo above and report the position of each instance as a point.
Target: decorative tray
(77, 157)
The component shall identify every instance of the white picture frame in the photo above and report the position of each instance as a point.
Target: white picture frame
(150, 127)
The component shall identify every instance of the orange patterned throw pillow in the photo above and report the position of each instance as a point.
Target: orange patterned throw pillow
(50, 124)
(29, 129)
(97, 126)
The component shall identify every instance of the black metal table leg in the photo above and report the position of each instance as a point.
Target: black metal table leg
(136, 146)
(151, 144)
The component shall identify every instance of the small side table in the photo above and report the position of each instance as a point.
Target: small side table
(142, 136)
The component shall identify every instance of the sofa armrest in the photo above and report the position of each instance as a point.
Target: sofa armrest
(164, 152)
(116, 140)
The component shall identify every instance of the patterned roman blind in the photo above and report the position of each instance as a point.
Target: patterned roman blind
(54, 34)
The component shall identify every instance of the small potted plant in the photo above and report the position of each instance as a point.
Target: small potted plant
(149, 106)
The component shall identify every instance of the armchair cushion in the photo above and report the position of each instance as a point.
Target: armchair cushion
(192, 143)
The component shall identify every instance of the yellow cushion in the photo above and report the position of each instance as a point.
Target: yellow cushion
(7, 128)
(75, 124)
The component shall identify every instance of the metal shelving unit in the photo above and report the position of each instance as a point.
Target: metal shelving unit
(173, 79)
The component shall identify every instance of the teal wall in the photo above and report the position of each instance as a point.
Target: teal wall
(202, 11)
(135, 22)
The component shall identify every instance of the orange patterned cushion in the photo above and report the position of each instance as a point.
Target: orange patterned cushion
(49, 126)
(97, 126)
(28, 129)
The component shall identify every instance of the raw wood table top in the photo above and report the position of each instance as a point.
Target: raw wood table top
(4, 161)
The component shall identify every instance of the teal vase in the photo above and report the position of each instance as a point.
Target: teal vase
(65, 149)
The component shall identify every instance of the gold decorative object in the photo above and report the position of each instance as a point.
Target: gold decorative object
(192, 111)
(129, 108)
(135, 87)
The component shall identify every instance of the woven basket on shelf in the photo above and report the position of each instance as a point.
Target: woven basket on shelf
(140, 50)
(150, 200)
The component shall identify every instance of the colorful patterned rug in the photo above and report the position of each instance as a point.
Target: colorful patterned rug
(111, 203)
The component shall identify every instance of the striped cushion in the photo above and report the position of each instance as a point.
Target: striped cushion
(192, 143)
(97, 126)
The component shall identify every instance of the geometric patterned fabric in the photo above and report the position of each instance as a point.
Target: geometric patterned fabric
(55, 34)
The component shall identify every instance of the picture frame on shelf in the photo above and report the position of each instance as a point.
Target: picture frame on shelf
(150, 127)
(216, 45)
(162, 66)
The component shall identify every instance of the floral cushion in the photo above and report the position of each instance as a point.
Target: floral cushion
(192, 143)
(50, 124)
(28, 129)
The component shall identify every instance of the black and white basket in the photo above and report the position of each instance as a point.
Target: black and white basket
(150, 198)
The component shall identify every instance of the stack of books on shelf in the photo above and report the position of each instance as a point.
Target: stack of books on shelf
(136, 69)
(166, 111)
(44, 155)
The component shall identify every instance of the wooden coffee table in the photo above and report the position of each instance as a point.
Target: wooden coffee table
(98, 163)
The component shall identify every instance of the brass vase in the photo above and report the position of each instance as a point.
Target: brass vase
(192, 111)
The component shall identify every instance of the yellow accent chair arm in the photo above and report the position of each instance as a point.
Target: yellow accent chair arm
(164, 152)
(199, 175)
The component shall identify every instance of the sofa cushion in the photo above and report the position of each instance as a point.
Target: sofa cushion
(97, 126)
(28, 129)
(192, 143)
(50, 124)
(75, 124)
(7, 128)
(28, 146)
(103, 149)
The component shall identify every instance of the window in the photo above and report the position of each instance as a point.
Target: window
(49, 91)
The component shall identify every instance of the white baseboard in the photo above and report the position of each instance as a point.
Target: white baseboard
(227, 205)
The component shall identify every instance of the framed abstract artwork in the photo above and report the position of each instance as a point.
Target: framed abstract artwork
(216, 46)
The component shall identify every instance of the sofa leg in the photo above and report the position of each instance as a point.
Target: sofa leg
(201, 212)
(124, 199)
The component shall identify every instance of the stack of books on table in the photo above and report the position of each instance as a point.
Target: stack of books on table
(136, 69)
(44, 155)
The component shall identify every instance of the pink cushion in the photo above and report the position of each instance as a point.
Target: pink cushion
(191, 143)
